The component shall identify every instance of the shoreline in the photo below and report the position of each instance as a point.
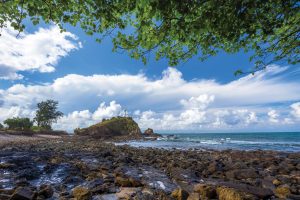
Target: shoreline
(86, 168)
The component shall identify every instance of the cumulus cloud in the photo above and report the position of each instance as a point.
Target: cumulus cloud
(166, 103)
(273, 116)
(296, 110)
(15, 111)
(38, 51)
(84, 118)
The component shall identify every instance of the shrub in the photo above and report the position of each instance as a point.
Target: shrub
(1, 126)
(38, 129)
(17, 123)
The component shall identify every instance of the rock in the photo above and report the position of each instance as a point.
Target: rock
(194, 196)
(122, 181)
(105, 197)
(205, 191)
(23, 193)
(263, 193)
(112, 128)
(46, 191)
(150, 133)
(180, 194)
(282, 191)
(225, 193)
(127, 193)
(4, 196)
(241, 174)
(276, 182)
(127, 181)
(81, 193)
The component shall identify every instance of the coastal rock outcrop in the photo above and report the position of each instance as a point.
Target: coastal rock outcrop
(115, 127)
(150, 133)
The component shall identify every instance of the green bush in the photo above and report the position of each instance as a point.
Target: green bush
(17, 123)
(1, 126)
(38, 129)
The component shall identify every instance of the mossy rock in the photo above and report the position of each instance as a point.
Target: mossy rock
(110, 128)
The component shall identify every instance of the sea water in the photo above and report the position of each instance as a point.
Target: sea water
(278, 141)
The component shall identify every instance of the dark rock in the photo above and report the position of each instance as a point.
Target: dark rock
(23, 193)
(241, 174)
(180, 194)
(205, 191)
(150, 133)
(46, 191)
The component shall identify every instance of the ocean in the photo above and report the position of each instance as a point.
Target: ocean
(278, 141)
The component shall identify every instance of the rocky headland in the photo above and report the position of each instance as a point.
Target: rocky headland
(122, 128)
(84, 168)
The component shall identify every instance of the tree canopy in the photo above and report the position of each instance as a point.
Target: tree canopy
(47, 113)
(18, 123)
(176, 30)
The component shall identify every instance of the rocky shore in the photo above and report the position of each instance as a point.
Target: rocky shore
(83, 168)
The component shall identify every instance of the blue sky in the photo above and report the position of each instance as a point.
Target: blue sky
(91, 82)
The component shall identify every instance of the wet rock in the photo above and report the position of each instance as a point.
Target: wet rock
(282, 191)
(81, 193)
(46, 191)
(241, 174)
(94, 183)
(127, 181)
(23, 193)
(127, 192)
(4, 196)
(205, 191)
(194, 196)
(263, 193)
(225, 193)
(276, 182)
(180, 194)
(105, 197)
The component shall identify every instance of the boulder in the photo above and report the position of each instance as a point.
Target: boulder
(283, 191)
(225, 193)
(46, 191)
(150, 133)
(127, 192)
(112, 128)
(194, 196)
(81, 193)
(180, 194)
(23, 193)
(205, 191)
(241, 174)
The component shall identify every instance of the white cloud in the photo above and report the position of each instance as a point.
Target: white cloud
(273, 116)
(38, 51)
(167, 103)
(201, 102)
(15, 111)
(296, 110)
(107, 111)
(85, 118)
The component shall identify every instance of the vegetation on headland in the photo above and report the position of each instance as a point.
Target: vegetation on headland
(46, 115)
(175, 30)
(109, 128)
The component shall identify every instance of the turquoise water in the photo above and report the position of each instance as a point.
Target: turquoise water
(279, 141)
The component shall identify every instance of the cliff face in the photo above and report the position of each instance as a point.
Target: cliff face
(111, 128)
